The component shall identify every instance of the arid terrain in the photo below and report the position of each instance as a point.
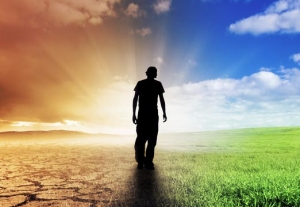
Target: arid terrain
(58, 170)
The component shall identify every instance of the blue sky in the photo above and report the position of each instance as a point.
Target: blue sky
(201, 30)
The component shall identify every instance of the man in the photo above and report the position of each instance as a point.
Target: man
(147, 91)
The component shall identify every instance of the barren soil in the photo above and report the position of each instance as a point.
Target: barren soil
(71, 172)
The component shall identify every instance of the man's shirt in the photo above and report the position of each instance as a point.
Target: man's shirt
(148, 91)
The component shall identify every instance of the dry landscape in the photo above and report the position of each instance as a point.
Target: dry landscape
(80, 171)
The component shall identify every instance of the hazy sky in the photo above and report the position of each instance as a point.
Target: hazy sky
(73, 64)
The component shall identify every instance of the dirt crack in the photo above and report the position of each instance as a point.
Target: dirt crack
(35, 183)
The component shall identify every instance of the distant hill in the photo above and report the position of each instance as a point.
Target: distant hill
(50, 133)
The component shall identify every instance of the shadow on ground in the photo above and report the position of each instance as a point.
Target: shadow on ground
(145, 188)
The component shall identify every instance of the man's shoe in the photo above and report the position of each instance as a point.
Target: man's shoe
(140, 166)
(149, 166)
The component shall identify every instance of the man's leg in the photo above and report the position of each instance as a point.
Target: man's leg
(150, 150)
(139, 147)
(140, 142)
(151, 143)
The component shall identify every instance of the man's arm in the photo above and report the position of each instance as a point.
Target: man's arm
(134, 104)
(163, 106)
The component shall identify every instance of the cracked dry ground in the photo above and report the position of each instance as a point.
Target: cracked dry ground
(42, 173)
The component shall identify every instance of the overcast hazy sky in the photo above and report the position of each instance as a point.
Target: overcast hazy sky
(73, 64)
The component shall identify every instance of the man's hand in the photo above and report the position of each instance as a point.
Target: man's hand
(165, 117)
(134, 120)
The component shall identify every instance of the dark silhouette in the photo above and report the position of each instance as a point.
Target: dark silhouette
(146, 92)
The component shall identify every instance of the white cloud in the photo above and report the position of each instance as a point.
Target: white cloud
(144, 31)
(265, 79)
(296, 58)
(132, 10)
(282, 16)
(261, 99)
(162, 6)
(278, 7)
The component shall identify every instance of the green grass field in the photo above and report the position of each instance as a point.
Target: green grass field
(247, 167)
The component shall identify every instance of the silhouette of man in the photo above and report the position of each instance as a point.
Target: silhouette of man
(147, 91)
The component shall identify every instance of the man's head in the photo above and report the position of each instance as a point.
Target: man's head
(151, 72)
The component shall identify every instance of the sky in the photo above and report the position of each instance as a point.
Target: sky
(224, 64)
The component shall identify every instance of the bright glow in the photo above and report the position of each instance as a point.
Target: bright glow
(71, 123)
(22, 124)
